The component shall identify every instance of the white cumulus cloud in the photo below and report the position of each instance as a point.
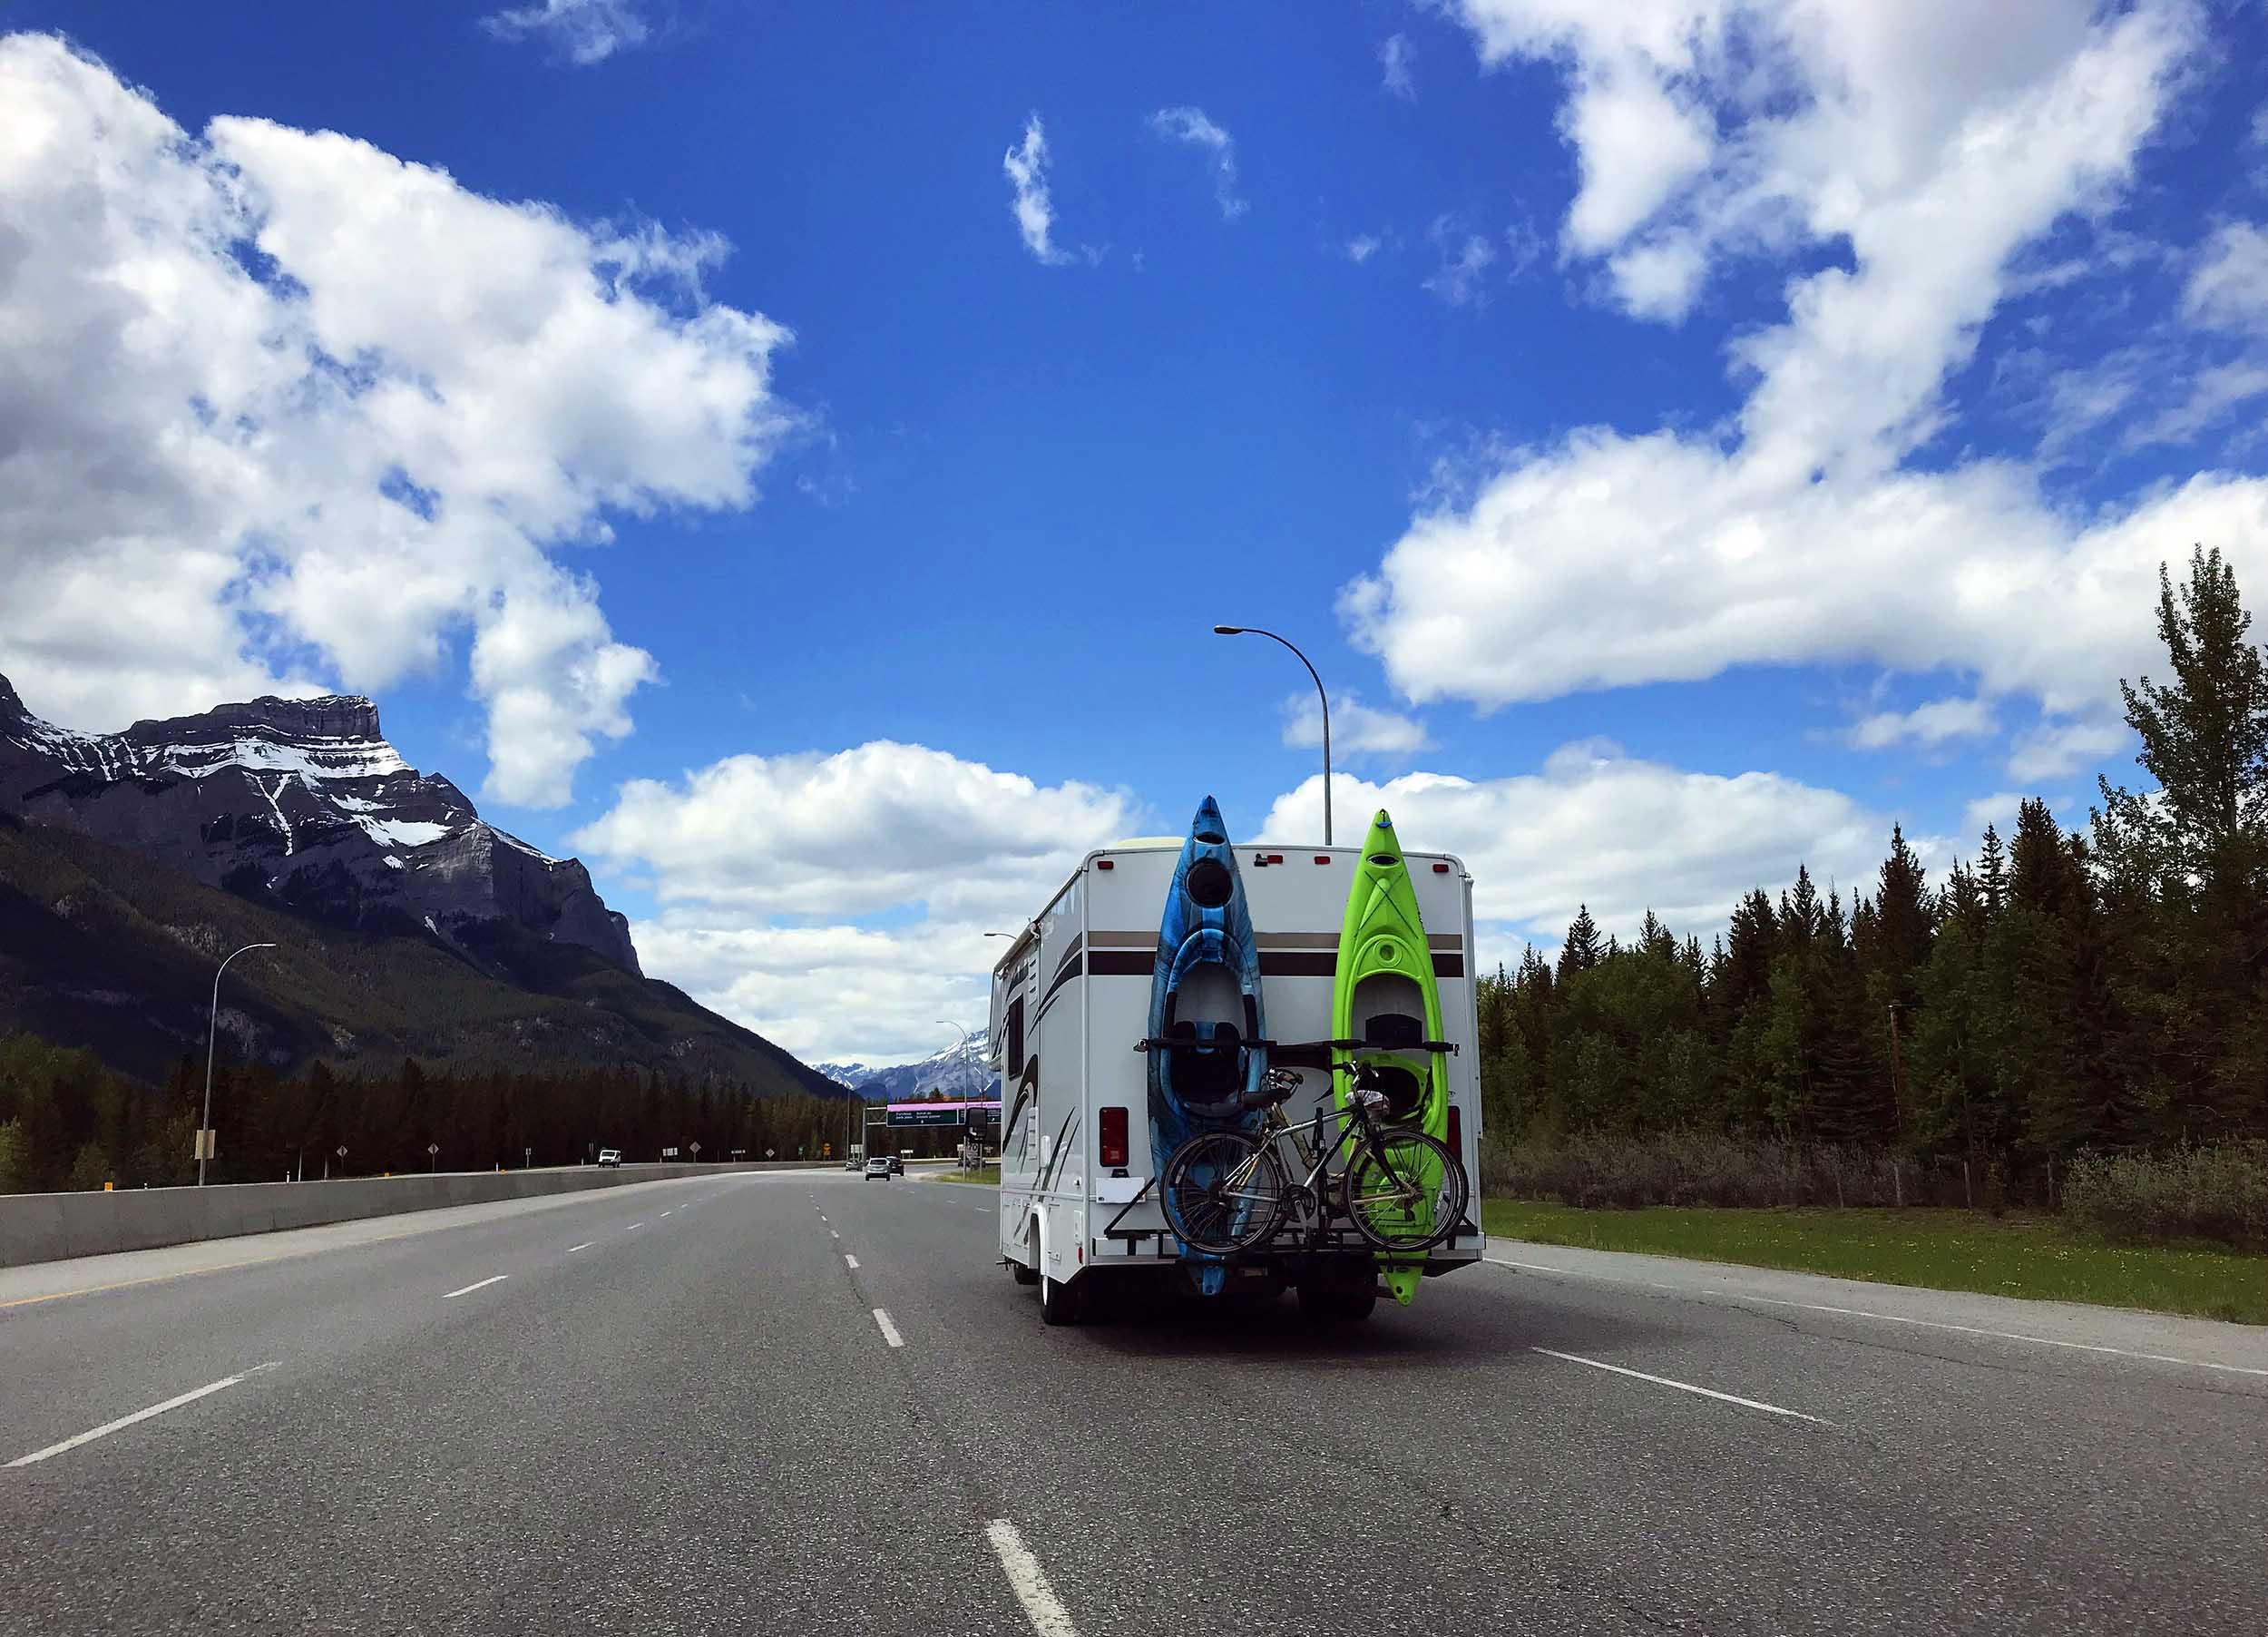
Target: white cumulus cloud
(760, 864)
(1192, 126)
(2057, 748)
(1927, 726)
(282, 410)
(1356, 728)
(584, 31)
(2229, 287)
(1599, 828)
(1934, 142)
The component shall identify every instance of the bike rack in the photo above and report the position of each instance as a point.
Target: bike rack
(1335, 1238)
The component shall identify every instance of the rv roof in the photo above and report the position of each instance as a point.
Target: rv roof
(1131, 842)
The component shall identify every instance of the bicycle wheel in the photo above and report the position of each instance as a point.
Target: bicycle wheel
(1221, 1192)
(1405, 1192)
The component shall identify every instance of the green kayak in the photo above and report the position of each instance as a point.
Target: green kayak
(1385, 996)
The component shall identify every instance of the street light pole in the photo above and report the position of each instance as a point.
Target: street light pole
(1325, 699)
(212, 1030)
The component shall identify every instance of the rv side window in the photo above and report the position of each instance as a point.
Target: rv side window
(1015, 1037)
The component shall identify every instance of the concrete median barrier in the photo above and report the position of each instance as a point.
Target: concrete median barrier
(50, 1227)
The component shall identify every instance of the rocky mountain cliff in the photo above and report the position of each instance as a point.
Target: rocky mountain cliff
(303, 804)
(103, 948)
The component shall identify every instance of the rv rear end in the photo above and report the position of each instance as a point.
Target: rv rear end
(1070, 1007)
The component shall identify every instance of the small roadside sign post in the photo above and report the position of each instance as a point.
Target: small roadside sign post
(771, 1152)
(696, 1150)
(342, 1162)
(433, 1156)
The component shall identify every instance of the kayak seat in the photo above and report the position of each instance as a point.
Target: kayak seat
(1207, 1072)
(1393, 1029)
(1404, 1092)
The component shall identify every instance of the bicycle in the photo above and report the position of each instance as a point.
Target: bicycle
(1404, 1191)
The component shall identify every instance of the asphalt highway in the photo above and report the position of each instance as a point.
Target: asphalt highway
(809, 1402)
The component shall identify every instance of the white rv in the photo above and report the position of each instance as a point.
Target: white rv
(1071, 1008)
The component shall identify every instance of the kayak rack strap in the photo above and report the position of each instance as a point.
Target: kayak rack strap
(1241, 1043)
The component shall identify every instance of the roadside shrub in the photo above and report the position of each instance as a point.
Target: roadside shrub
(1708, 1168)
(2216, 1190)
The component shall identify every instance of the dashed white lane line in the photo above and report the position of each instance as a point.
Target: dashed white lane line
(634, 1225)
(889, 1331)
(1742, 1297)
(833, 1235)
(670, 1211)
(109, 1428)
(493, 1278)
(852, 1260)
(584, 1246)
(1028, 1582)
(1684, 1387)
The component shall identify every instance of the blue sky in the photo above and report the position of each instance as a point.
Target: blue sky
(1698, 433)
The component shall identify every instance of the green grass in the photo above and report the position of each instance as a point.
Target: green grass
(2018, 1255)
(988, 1173)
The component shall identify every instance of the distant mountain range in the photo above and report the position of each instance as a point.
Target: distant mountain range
(407, 926)
(958, 1071)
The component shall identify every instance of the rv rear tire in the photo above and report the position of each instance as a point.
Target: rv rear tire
(1024, 1276)
(1059, 1302)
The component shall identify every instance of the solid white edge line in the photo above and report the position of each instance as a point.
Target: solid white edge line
(493, 1278)
(584, 1246)
(851, 1260)
(889, 1331)
(1028, 1582)
(1927, 1324)
(1684, 1387)
(109, 1428)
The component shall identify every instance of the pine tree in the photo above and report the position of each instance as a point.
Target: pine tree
(1582, 950)
(2204, 736)
(1903, 920)
(1992, 877)
(2040, 867)
(1801, 919)
(1746, 970)
(1961, 900)
(2189, 862)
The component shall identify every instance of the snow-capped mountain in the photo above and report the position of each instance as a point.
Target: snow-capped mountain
(958, 1071)
(302, 801)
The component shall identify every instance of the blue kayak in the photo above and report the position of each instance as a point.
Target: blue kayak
(1204, 990)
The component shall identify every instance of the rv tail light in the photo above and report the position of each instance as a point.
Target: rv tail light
(1322, 857)
(1456, 1131)
(1102, 864)
(1276, 858)
(1441, 869)
(1112, 1147)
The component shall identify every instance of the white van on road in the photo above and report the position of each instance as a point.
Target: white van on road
(1071, 1007)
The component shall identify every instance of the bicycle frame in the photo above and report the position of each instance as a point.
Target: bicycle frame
(1357, 1131)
